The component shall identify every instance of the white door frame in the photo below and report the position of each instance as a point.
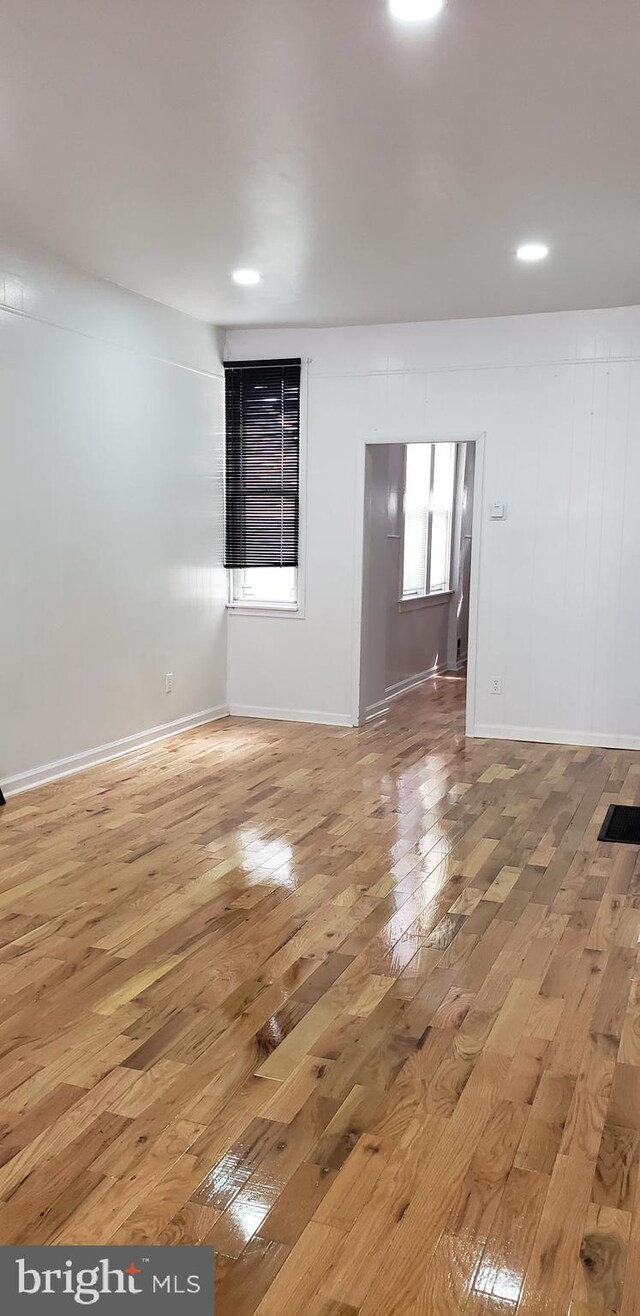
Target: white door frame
(476, 546)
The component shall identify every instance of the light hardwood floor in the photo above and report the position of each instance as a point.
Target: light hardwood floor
(361, 1008)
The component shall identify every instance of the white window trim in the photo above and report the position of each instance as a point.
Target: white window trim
(412, 601)
(288, 611)
(407, 602)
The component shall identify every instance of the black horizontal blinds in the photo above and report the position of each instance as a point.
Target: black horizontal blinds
(262, 463)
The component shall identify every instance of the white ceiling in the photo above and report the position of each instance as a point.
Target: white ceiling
(372, 171)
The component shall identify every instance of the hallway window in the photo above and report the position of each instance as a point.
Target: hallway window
(429, 497)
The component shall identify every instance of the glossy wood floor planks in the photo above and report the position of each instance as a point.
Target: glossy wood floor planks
(361, 1008)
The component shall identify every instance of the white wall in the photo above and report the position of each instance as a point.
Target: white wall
(459, 612)
(110, 517)
(417, 641)
(558, 397)
(378, 524)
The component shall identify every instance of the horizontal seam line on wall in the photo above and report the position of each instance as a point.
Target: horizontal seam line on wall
(111, 342)
(492, 365)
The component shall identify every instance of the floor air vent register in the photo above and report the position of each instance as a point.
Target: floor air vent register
(621, 825)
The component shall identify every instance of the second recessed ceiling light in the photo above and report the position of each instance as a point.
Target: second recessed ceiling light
(415, 11)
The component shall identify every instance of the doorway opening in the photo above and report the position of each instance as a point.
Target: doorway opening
(418, 569)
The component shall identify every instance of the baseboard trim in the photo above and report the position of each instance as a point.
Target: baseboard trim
(411, 682)
(400, 688)
(91, 758)
(291, 715)
(377, 710)
(551, 736)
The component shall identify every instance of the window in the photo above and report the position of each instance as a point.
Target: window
(262, 452)
(270, 586)
(429, 496)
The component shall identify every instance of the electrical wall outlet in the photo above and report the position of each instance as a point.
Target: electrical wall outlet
(168, 683)
(496, 685)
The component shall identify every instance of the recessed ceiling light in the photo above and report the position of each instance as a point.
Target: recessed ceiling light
(532, 251)
(246, 277)
(415, 11)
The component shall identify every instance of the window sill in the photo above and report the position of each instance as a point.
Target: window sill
(291, 610)
(425, 600)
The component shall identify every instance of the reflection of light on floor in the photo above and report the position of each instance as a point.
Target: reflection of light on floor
(499, 1282)
(247, 1216)
(274, 858)
(230, 739)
